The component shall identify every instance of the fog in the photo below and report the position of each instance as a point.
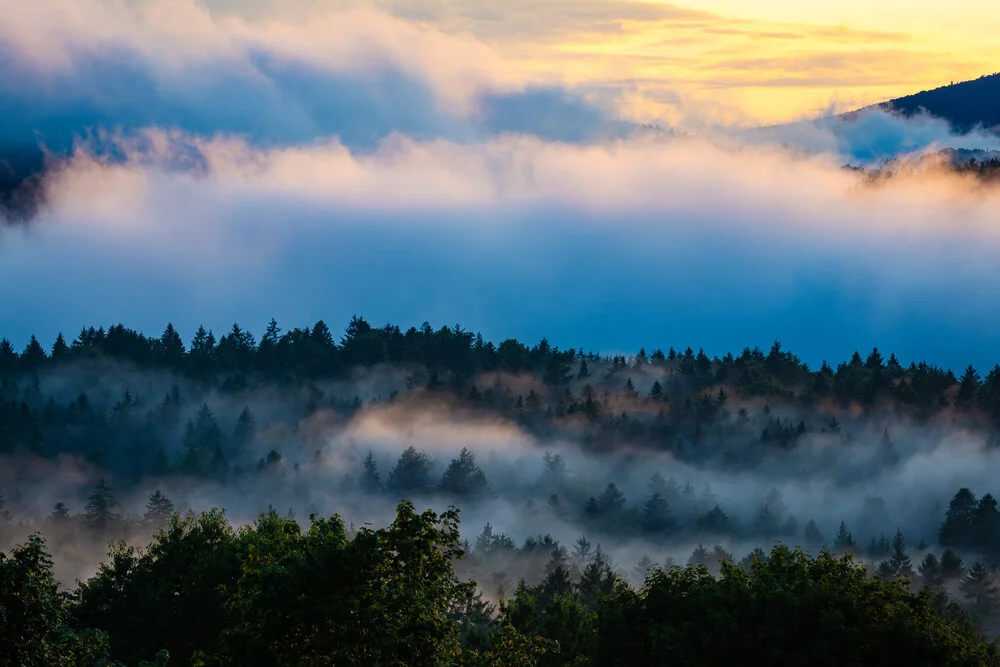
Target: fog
(851, 474)
(207, 167)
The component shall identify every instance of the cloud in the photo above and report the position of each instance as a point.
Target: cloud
(871, 136)
(611, 246)
(354, 72)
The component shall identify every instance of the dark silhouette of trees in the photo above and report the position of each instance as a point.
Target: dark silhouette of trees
(101, 509)
(411, 474)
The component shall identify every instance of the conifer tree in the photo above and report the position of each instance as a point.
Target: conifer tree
(159, 510)
(463, 478)
(411, 474)
(371, 479)
(100, 512)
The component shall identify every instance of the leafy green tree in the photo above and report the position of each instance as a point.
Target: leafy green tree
(174, 595)
(34, 618)
(320, 598)
(790, 609)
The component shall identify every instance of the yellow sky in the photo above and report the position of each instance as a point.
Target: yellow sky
(732, 61)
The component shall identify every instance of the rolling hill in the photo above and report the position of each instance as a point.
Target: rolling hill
(964, 105)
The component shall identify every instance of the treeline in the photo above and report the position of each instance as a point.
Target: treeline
(971, 526)
(453, 357)
(273, 593)
(686, 402)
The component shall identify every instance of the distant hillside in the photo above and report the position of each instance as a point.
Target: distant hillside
(964, 105)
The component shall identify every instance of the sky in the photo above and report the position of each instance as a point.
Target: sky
(483, 164)
(735, 61)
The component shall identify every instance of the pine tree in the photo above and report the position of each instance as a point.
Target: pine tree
(171, 346)
(60, 350)
(899, 561)
(100, 511)
(60, 514)
(643, 568)
(714, 522)
(656, 391)
(159, 510)
(812, 536)
(598, 578)
(968, 389)
(700, 556)
(656, 519)
(245, 430)
(980, 592)
(34, 354)
(957, 528)
(371, 479)
(411, 474)
(581, 552)
(844, 541)
(630, 389)
(5, 515)
(612, 501)
(952, 567)
(930, 571)
(463, 478)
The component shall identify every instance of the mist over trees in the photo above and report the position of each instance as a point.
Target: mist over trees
(579, 477)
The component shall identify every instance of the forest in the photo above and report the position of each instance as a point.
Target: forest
(428, 497)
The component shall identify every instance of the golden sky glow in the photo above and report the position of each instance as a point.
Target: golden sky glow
(732, 61)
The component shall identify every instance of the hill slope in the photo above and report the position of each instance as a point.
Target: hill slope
(964, 105)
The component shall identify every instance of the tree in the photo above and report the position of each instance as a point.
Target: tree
(770, 515)
(100, 511)
(844, 541)
(812, 535)
(968, 389)
(779, 613)
(60, 350)
(60, 514)
(630, 389)
(980, 592)
(714, 522)
(957, 527)
(952, 567)
(171, 346)
(34, 618)
(656, 519)
(656, 391)
(899, 561)
(245, 431)
(159, 510)
(463, 478)
(371, 479)
(411, 474)
(930, 571)
(612, 502)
